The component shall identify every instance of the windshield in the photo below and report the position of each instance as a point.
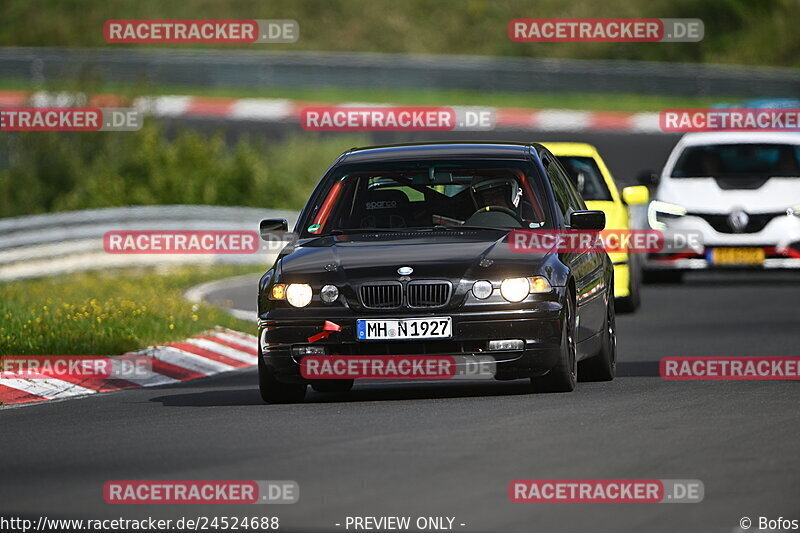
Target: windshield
(426, 195)
(586, 177)
(738, 160)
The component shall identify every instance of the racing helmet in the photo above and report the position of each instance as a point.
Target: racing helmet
(499, 191)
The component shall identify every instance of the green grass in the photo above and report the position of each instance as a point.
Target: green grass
(577, 101)
(108, 312)
(762, 32)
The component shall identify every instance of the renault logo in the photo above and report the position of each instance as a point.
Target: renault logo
(738, 220)
(405, 271)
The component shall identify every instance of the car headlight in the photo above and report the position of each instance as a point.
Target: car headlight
(517, 289)
(794, 211)
(329, 294)
(658, 211)
(482, 289)
(278, 292)
(539, 285)
(298, 294)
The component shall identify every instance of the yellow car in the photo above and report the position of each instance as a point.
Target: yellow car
(596, 185)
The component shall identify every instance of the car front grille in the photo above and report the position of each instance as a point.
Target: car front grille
(382, 295)
(418, 294)
(721, 223)
(428, 293)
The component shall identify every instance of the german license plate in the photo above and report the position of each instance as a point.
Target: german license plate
(404, 329)
(737, 256)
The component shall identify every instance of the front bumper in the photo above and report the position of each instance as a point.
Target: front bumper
(780, 240)
(540, 327)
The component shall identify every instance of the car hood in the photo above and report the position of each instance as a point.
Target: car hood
(705, 195)
(447, 255)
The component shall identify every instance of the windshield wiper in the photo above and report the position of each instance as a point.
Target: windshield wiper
(495, 228)
(353, 231)
(357, 231)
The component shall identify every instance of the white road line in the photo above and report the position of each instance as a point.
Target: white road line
(145, 378)
(187, 360)
(645, 123)
(235, 339)
(261, 109)
(224, 350)
(51, 389)
(562, 120)
(167, 106)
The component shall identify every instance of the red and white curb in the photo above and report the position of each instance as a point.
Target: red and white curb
(283, 110)
(212, 352)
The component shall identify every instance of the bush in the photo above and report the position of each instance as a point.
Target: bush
(46, 171)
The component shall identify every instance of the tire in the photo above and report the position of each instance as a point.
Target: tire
(632, 302)
(332, 385)
(663, 276)
(273, 391)
(603, 366)
(563, 376)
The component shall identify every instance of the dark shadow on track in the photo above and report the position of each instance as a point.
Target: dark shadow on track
(367, 392)
(215, 398)
(732, 278)
(379, 391)
(637, 369)
(736, 277)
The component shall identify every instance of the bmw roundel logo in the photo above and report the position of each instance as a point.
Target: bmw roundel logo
(405, 271)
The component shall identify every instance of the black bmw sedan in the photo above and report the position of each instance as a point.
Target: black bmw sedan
(407, 251)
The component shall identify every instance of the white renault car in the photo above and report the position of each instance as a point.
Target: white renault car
(733, 198)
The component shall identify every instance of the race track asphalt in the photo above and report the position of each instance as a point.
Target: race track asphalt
(451, 449)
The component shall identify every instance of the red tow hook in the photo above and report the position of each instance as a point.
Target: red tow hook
(327, 329)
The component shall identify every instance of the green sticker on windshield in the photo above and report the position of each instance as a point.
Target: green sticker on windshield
(314, 228)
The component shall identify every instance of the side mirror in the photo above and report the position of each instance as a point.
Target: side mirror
(587, 220)
(269, 226)
(635, 195)
(648, 178)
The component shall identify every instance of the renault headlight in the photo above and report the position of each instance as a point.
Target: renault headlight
(658, 212)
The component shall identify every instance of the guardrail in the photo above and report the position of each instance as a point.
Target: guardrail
(52, 244)
(261, 69)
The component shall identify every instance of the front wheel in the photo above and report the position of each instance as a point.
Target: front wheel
(273, 391)
(563, 376)
(663, 276)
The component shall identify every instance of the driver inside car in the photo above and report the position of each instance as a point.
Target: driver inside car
(496, 201)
